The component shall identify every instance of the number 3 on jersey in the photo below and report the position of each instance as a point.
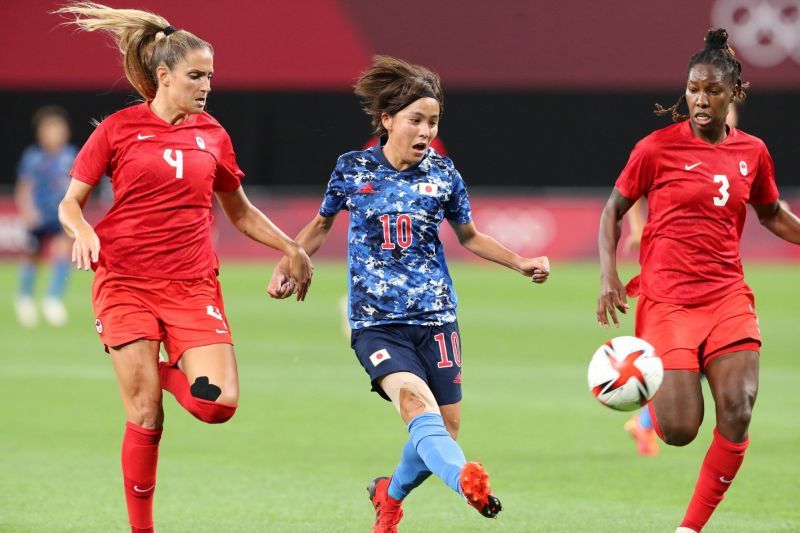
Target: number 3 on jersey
(176, 162)
(404, 234)
(722, 179)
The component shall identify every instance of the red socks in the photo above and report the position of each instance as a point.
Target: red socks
(175, 382)
(139, 460)
(719, 468)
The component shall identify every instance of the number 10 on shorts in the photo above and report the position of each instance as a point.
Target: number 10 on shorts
(444, 361)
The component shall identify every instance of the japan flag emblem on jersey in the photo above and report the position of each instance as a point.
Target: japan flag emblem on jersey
(379, 357)
(200, 142)
(428, 189)
(743, 168)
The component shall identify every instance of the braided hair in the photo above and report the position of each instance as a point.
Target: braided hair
(719, 54)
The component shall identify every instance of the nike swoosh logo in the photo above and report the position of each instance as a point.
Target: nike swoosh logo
(221, 331)
(143, 137)
(690, 167)
(726, 481)
(137, 489)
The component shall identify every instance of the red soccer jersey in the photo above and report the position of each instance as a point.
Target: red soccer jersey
(163, 177)
(696, 195)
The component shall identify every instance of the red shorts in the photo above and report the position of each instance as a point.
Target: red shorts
(688, 337)
(182, 314)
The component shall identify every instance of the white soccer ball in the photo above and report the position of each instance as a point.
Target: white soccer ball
(625, 373)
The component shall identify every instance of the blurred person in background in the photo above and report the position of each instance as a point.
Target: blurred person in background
(640, 425)
(155, 268)
(42, 180)
(402, 302)
(694, 305)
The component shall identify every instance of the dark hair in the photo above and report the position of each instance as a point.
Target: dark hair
(390, 85)
(145, 40)
(46, 112)
(719, 54)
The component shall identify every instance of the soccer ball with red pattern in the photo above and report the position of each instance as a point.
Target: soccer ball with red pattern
(625, 373)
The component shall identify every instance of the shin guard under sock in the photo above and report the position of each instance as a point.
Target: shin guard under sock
(139, 462)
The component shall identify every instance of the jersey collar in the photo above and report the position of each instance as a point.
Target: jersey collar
(377, 152)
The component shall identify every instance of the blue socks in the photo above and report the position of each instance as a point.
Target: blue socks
(644, 418)
(409, 474)
(58, 281)
(430, 448)
(27, 274)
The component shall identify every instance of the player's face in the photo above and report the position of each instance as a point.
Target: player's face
(411, 131)
(708, 96)
(52, 133)
(187, 85)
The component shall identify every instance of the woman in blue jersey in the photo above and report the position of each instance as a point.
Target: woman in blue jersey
(42, 180)
(402, 302)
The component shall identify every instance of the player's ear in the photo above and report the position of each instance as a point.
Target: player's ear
(162, 75)
(386, 121)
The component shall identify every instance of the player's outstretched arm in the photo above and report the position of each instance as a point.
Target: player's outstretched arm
(86, 248)
(612, 291)
(779, 220)
(482, 245)
(311, 238)
(248, 219)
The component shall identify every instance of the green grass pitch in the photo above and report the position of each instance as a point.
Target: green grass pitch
(309, 436)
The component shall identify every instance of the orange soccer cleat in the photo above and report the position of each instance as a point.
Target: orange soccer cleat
(646, 439)
(388, 511)
(476, 489)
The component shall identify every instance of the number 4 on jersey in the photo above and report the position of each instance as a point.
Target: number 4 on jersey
(176, 162)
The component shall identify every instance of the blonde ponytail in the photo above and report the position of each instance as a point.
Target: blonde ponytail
(140, 37)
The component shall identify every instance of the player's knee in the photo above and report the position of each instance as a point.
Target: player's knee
(146, 411)
(679, 434)
(214, 405)
(735, 416)
(415, 399)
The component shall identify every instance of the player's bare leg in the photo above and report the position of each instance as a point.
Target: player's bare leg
(733, 379)
(451, 414)
(205, 383)
(432, 446)
(678, 407)
(136, 366)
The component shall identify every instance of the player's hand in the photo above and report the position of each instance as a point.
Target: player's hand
(536, 268)
(281, 284)
(613, 297)
(86, 248)
(300, 271)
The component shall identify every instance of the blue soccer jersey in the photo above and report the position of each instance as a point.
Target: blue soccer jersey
(48, 175)
(398, 274)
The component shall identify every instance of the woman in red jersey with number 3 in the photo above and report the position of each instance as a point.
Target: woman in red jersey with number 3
(156, 271)
(694, 306)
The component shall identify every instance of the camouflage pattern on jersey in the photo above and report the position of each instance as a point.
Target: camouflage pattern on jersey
(398, 274)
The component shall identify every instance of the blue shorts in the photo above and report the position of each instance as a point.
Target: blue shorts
(431, 352)
(37, 236)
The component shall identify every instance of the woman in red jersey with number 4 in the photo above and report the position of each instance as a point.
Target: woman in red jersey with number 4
(156, 271)
(694, 306)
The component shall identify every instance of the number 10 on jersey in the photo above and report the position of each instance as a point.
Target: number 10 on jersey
(404, 234)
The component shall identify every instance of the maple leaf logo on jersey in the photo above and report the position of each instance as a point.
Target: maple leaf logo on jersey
(367, 189)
